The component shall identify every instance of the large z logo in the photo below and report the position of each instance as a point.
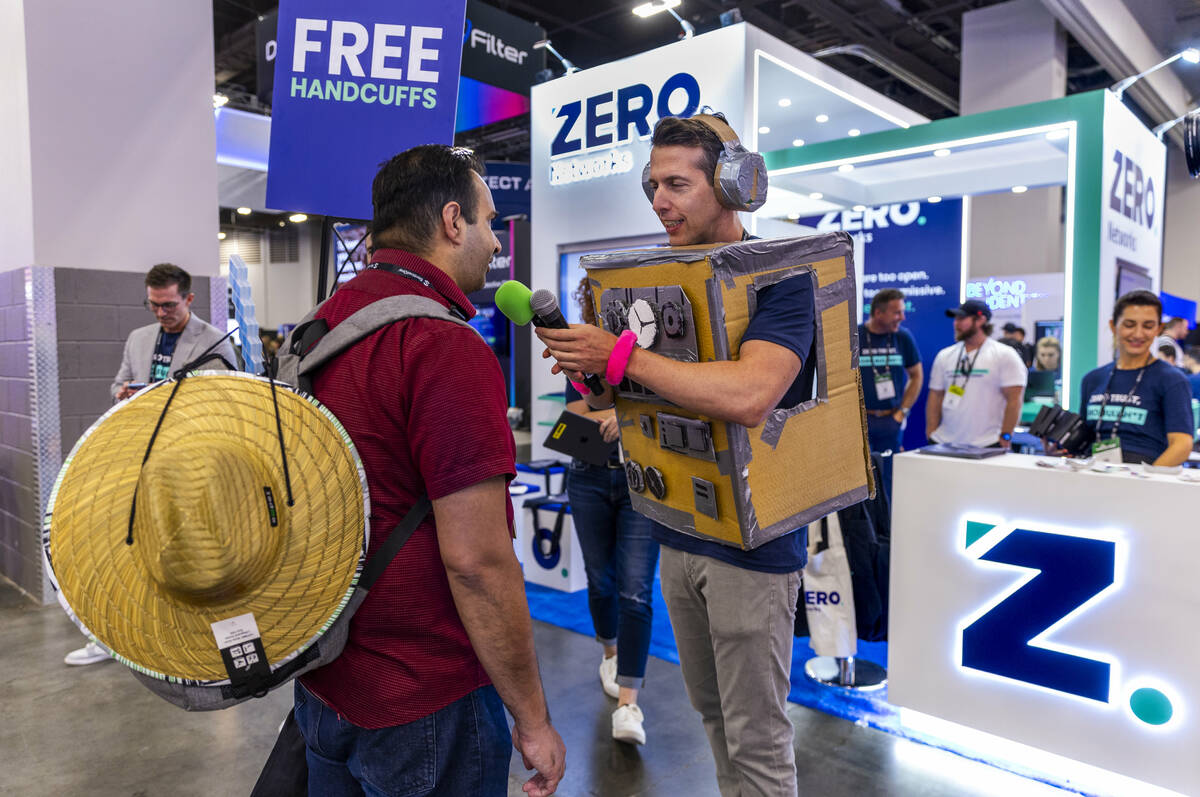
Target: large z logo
(1070, 572)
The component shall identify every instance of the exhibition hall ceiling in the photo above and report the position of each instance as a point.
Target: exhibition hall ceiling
(921, 37)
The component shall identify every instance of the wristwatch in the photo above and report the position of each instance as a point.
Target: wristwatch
(1006, 437)
(905, 410)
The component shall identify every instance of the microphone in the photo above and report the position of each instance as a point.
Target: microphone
(521, 306)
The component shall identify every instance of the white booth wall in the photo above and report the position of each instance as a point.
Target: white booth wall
(606, 211)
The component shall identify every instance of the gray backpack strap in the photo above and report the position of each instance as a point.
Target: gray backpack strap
(369, 319)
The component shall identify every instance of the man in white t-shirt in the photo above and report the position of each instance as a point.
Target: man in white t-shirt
(976, 386)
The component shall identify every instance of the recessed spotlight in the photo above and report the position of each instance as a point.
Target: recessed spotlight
(1057, 135)
(764, 130)
(793, 216)
(933, 200)
(244, 211)
(221, 236)
(854, 131)
(297, 218)
(846, 167)
(1020, 189)
(860, 208)
(941, 153)
(785, 102)
(219, 100)
(797, 142)
(816, 195)
(283, 224)
(822, 118)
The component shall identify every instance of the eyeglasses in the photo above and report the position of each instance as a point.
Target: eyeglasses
(154, 307)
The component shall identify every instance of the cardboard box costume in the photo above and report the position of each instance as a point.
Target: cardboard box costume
(718, 480)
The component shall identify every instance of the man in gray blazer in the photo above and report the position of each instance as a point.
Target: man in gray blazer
(152, 351)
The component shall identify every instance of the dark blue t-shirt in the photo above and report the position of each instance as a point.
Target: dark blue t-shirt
(1194, 381)
(881, 355)
(164, 350)
(784, 315)
(1162, 404)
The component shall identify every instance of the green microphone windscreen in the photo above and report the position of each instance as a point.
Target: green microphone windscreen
(513, 300)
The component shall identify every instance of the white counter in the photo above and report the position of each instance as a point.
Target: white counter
(1100, 570)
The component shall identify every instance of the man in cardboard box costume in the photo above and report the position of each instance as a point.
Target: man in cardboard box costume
(734, 362)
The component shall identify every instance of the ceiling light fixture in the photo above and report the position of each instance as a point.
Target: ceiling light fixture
(822, 118)
(846, 167)
(941, 153)
(1191, 55)
(1020, 189)
(933, 200)
(221, 236)
(785, 103)
(297, 218)
(860, 208)
(797, 142)
(854, 131)
(764, 130)
(244, 211)
(816, 195)
(658, 6)
(219, 100)
(544, 44)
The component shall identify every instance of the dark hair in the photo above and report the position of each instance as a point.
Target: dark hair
(884, 298)
(671, 131)
(988, 328)
(410, 190)
(164, 275)
(1174, 321)
(1136, 299)
(1167, 351)
(583, 297)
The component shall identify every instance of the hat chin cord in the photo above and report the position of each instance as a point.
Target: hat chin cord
(180, 376)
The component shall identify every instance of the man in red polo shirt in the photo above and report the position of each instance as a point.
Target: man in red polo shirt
(415, 703)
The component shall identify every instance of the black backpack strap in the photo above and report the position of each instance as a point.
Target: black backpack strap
(392, 545)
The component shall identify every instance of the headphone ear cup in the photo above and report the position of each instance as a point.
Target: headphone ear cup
(649, 189)
(741, 179)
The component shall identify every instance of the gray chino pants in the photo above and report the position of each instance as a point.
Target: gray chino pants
(733, 629)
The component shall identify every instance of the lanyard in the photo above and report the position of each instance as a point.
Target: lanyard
(965, 368)
(891, 343)
(415, 277)
(1104, 402)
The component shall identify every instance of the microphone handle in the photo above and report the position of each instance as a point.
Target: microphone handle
(555, 320)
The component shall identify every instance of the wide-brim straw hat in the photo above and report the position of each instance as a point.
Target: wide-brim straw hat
(213, 536)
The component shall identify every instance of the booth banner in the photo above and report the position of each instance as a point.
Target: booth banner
(498, 48)
(351, 92)
(510, 186)
(1022, 299)
(1133, 197)
(916, 247)
(266, 47)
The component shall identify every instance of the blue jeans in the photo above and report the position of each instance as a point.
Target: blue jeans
(883, 434)
(463, 748)
(620, 558)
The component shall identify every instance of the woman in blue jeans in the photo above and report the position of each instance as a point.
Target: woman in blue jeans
(620, 559)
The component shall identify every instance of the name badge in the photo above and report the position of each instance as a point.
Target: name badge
(954, 396)
(885, 388)
(1107, 450)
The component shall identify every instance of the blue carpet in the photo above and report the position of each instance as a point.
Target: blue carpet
(570, 610)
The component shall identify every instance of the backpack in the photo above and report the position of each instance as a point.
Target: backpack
(310, 346)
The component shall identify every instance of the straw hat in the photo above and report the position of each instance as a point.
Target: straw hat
(213, 536)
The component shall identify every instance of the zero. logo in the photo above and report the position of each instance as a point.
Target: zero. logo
(629, 108)
(1132, 195)
(1067, 575)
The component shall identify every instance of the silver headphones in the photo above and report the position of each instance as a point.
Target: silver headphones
(740, 179)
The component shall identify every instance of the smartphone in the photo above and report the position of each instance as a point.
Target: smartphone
(136, 385)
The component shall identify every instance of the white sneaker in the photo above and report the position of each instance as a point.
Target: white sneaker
(627, 724)
(90, 653)
(608, 677)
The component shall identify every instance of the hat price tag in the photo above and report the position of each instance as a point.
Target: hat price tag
(241, 648)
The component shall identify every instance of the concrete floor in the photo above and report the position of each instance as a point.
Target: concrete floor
(95, 731)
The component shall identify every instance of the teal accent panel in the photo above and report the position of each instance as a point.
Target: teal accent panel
(975, 530)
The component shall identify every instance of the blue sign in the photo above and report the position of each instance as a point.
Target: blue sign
(510, 186)
(916, 247)
(1071, 571)
(352, 91)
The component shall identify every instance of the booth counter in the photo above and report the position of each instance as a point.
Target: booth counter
(1052, 608)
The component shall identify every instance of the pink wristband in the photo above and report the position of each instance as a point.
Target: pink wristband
(618, 359)
(580, 387)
